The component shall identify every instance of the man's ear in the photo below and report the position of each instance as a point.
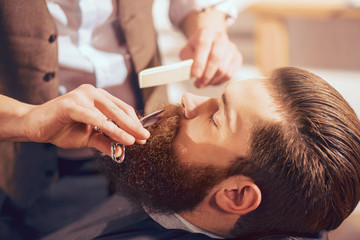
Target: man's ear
(238, 195)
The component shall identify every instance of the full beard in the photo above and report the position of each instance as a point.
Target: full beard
(152, 174)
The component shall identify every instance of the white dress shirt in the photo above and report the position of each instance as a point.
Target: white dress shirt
(175, 221)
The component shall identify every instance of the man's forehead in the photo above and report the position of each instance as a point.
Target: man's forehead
(246, 84)
(251, 100)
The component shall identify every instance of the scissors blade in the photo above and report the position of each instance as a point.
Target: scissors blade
(152, 118)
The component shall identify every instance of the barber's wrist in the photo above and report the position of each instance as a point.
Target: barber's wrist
(15, 125)
(204, 18)
(28, 123)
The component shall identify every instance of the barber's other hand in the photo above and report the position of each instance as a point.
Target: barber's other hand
(68, 121)
(216, 58)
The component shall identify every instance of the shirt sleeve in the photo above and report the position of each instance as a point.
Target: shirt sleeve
(179, 9)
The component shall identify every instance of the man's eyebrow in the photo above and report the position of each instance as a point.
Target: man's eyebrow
(226, 107)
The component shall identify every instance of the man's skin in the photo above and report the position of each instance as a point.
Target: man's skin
(213, 133)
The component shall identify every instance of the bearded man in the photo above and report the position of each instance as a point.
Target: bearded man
(274, 158)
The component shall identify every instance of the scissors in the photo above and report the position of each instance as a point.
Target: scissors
(145, 121)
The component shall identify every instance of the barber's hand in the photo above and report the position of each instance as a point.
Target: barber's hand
(216, 58)
(68, 121)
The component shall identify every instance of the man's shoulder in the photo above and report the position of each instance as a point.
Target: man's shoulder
(117, 218)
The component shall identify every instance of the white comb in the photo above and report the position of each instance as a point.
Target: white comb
(171, 73)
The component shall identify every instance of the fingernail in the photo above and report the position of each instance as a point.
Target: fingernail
(146, 133)
(131, 140)
(141, 141)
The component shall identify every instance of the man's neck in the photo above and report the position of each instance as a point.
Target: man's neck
(175, 221)
(208, 223)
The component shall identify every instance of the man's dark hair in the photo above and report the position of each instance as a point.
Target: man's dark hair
(308, 165)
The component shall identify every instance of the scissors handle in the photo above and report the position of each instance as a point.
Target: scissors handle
(145, 121)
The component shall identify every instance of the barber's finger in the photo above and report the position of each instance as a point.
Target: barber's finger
(115, 134)
(139, 141)
(186, 52)
(228, 70)
(121, 104)
(123, 115)
(219, 78)
(236, 60)
(103, 144)
(223, 73)
(209, 73)
(93, 118)
(235, 66)
(215, 64)
(125, 123)
(202, 47)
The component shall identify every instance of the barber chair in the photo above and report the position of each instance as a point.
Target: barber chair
(321, 236)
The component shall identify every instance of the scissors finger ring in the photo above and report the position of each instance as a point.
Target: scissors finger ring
(145, 121)
(121, 158)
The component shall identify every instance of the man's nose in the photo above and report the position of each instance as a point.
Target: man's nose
(191, 104)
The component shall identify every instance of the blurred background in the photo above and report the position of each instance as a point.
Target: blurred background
(322, 36)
